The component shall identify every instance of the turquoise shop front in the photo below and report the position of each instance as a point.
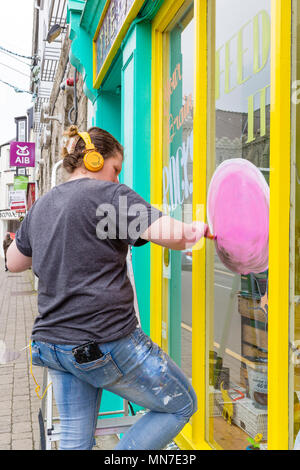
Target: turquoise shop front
(121, 104)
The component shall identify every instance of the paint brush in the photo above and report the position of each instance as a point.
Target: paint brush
(208, 235)
(211, 237)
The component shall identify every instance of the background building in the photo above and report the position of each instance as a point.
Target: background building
(11, 215)
(60, 100)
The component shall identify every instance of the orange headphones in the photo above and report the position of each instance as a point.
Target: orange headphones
(93, 160)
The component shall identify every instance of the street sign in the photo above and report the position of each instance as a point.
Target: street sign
(22, 154)
(17, 200)
(20, 182)
(11, 215)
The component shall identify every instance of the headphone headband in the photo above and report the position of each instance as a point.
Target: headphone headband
(87, 140)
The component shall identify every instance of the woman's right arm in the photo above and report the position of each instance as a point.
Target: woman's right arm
(16, 261)
(173, 234)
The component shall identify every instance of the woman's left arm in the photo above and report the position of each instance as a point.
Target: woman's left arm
(16, 261)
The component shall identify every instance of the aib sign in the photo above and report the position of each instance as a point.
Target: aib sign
(22, 154)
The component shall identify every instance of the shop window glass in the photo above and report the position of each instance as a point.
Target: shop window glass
(177, 184)
(295, 237)
(237, 305)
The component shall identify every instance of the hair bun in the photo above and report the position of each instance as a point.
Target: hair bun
(71, 132)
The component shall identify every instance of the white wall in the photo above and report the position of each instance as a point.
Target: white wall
(90, 114)
(6, 177)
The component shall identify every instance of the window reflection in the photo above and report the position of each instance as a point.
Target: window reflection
(295, 254)
(238, 307)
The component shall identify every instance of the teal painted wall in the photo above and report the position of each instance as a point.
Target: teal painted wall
(128, 99)
(175, 280)
(136, 137)
(142, 158)
(108, 113)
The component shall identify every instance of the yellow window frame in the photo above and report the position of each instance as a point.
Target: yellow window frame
(280, 180)
(193, 435)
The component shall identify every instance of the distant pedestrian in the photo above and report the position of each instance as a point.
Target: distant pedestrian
(6, 242)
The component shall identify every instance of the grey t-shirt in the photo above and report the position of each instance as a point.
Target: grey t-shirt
(78, 235)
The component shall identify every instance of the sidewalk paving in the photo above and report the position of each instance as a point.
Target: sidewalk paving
(19, 404)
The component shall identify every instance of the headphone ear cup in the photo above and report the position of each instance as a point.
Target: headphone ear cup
(93, 161)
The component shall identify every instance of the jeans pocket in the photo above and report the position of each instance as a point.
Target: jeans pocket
(36, 355)
(101, 372)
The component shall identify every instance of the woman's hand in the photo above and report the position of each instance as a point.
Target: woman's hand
(174, 234)
(198, 231)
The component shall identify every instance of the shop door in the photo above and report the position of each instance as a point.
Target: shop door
(237, 305)
(177, 182)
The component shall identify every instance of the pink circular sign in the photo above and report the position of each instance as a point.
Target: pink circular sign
(238, 215)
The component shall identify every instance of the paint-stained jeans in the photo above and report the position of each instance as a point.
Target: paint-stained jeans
(134, 368)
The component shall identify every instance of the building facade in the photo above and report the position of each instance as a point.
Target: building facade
(14, 199)
(185, 85)
(60, 101)
(9, 219)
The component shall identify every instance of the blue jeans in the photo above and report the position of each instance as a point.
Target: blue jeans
(132, 367)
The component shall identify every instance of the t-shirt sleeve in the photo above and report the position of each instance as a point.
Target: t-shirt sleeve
(22, 237)
(133, 215)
